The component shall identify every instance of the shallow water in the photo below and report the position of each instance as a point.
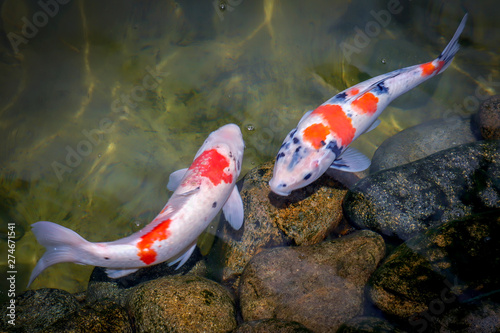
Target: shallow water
(101, 102)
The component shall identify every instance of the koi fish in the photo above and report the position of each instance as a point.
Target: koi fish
(321, 138)
(200, 191)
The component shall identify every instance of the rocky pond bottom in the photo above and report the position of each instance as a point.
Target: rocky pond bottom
(412, 247)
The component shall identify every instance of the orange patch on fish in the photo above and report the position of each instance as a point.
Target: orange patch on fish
(353, 91)
(146, 253)
(211, 164)
(429, 68)
(316, 135)
(338, 122)
(367, 103)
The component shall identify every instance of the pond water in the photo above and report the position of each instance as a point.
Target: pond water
(100, 102)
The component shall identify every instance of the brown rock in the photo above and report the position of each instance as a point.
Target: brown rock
(186, 303)
(36, 309)
(320, 286)
(103, 316)
(305, 217)
(271, 325)
(488, 118)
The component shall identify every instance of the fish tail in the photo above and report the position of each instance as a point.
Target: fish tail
(62, 245)
(452, 48)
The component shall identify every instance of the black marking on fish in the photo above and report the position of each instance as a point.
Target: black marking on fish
(107, 258)
(323, 143)
(341, 96)
(306, 177)
(332, 145)
(280, 155)
(295, 159)
(380, 88)
(292, 133)
(214, 204)
(295, 140)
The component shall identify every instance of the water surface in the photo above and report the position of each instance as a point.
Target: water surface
(105, 100)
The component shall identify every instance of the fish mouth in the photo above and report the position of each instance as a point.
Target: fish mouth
(283, 194)
(276, 189)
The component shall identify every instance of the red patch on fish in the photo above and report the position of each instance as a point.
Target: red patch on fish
(367, 103)
(316, 135)
(146, 253)
(338, 122)
(212, 164)
(353, 91)
(429, 68)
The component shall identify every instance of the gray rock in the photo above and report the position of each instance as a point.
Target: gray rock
(411, 198)
(481, 316)
(320, 286)
(181, 303)
(440, 269)
(368, 325)
(305, 217)
(36, 309)
(103, 316)
(488, 118)
(271, 325)
(422, 140)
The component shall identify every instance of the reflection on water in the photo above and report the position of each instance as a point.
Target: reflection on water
(104, 100)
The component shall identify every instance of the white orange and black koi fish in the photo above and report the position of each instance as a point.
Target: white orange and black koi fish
(200, 192)
(321, 139)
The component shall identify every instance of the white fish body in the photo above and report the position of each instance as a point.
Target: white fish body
(321, 139)
(200, 192)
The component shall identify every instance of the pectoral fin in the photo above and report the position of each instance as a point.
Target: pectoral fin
(233, 209)
(118, 273)
(175, 179)
(183, 257)
(351, 160)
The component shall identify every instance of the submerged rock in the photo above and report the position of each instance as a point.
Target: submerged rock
(407, 200)
(103, 316)
(488, 118)
(367, 325)
(305, 217)
(421, 141)
(271, 325)
(101, 286)
(437, 271)
(480, 316)
(182, 303)
(36, 309)
(320, 286)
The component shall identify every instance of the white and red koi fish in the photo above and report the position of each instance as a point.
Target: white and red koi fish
(321, 139)
(200, 192)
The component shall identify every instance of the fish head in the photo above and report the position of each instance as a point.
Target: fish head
(298, 164)
(228, 139)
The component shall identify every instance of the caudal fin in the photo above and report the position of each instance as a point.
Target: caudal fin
(62, 244)
(452, 48)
